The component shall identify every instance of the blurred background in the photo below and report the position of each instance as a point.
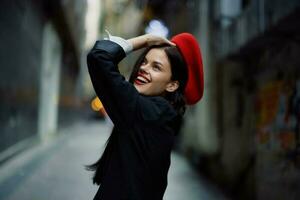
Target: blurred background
(244, 135)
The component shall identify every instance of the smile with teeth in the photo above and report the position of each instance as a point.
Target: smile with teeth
(141, 79)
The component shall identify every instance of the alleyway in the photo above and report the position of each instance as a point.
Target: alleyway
(55, 171)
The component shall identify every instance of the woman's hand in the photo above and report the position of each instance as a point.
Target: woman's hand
(156, 40)
(148, 40)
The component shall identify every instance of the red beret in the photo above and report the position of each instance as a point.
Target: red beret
(190, 50)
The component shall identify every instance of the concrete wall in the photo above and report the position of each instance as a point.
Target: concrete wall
(244, 133)
(260, 123)
(50, 71)
(40, 46)
(200, 123)
(257, 90)
(20, 52)
(277, 133)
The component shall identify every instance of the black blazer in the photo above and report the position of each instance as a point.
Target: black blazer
(137, 164)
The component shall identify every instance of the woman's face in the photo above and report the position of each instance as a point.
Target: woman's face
(154, 76)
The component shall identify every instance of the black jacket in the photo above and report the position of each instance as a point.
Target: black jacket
(137, 164)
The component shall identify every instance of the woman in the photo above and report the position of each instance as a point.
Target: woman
(145, 111)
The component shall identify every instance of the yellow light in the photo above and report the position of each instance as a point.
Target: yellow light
(96, 104)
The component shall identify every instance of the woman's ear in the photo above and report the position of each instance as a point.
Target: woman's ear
(172, 86)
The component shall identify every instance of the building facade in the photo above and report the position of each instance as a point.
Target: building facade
(248, 123)
(41, 56)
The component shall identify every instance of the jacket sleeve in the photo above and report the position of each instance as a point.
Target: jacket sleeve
(118, 96)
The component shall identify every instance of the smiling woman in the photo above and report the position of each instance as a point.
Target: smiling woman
(154, 75)
(169, 71)
(145, 112)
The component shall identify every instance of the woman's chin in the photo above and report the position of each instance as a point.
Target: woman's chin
(138, 88)
(142, 90)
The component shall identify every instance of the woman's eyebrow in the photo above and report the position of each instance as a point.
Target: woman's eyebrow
(158, 63)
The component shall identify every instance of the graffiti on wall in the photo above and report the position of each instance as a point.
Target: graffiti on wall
(277, 139)
(278, 116)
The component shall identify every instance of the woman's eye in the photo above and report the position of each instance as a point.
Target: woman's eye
(156, 68)
(144, 62)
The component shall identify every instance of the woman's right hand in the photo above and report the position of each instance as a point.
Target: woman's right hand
(148, 40)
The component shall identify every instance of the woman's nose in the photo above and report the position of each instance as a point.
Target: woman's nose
(144, 68)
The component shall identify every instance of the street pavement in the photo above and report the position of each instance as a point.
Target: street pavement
(55, 170)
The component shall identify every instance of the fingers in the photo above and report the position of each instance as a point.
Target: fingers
(157, 40)
(166, 41)
(148, 40)
(171, 43)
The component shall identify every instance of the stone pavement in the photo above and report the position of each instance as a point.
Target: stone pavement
(55, 170)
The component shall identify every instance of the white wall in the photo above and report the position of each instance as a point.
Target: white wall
(49, 83)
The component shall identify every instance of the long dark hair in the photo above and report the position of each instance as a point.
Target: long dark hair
(179, 73)
(176, 99)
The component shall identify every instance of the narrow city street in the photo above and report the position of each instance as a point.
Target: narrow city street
(55, 170)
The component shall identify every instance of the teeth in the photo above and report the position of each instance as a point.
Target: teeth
(142, 79)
